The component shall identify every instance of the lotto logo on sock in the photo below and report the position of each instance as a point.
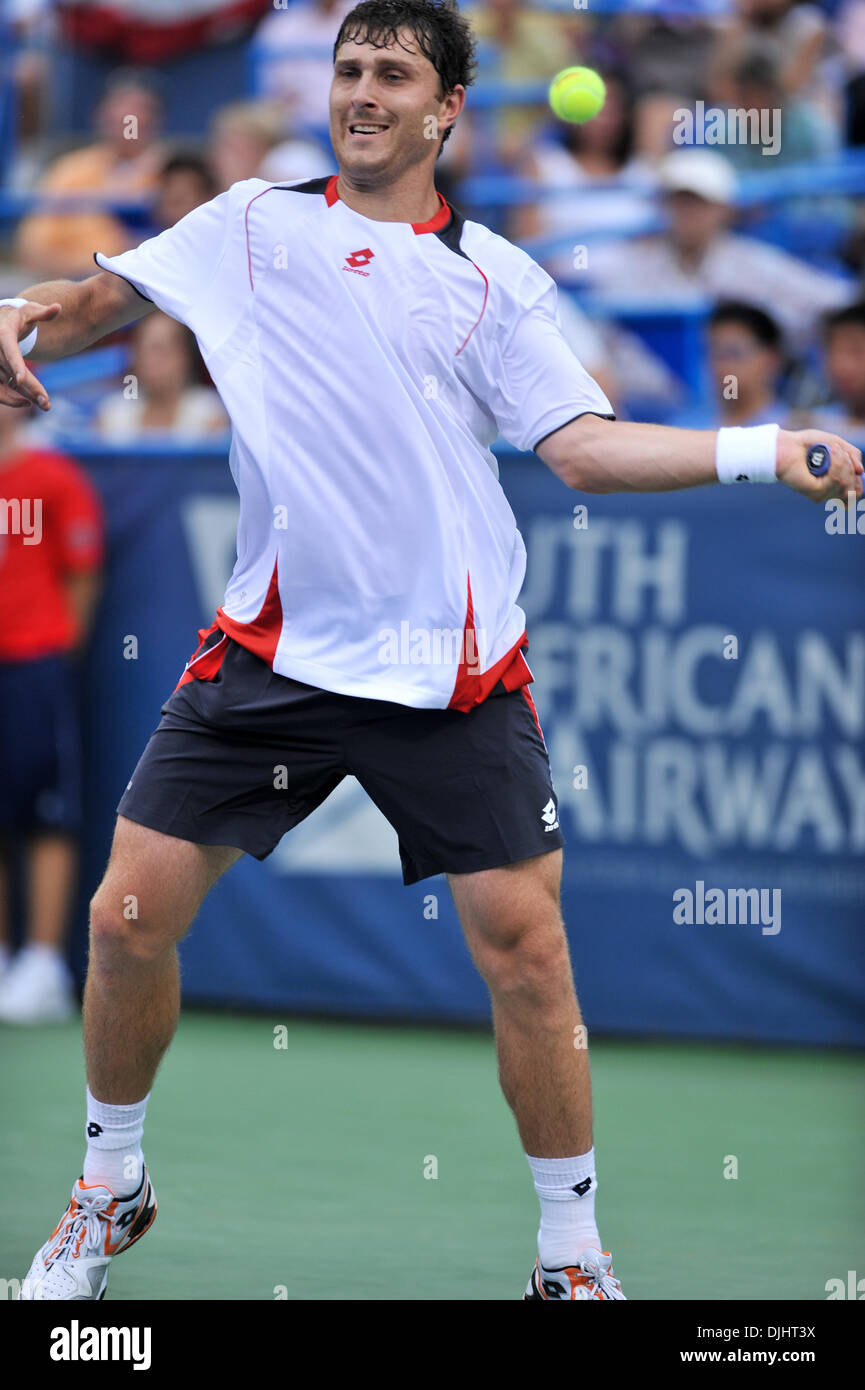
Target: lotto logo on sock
(581, 1188)
(93, 1130)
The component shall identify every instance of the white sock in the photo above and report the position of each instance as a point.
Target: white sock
(566, 1189)
(114, 1154)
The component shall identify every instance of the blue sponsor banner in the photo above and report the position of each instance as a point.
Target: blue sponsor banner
(699, 663)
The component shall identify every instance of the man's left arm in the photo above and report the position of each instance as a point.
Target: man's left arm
(591, 454)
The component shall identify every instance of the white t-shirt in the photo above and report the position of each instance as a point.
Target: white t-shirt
(367, 367)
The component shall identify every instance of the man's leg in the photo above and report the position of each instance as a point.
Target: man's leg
(513, 927)
(514, 930)
(52, 868)
(152, 889)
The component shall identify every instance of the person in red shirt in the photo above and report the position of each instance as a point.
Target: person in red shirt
(51, 551)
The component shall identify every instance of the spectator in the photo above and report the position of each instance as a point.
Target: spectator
(797, 41)
(793, 36)
(594, 159)
(123, 164)
(699, 258)
(798, 130)
(185, 182)
(160, 398)
(667, 57)
(746, 358)
(51, 548)
(519, 44)
(247, 140)
(300, 84)
(844, 352)
(850, 34)
(29, 22)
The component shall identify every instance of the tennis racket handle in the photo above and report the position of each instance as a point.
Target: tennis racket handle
(819, 458)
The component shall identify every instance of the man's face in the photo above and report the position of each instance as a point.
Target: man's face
(159, 358)
(694, 221)
(845, 364)
(128, 119)
(735, 352)
(180, 192)
(386, 107)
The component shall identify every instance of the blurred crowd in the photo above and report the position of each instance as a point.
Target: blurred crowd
(669, 209)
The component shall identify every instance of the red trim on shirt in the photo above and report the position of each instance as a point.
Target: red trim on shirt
(433, 224)
(203, 666)
(470, 687)
(261, 636)
(483, 309)
(437, 221)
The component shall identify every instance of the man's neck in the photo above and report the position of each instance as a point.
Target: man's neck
(410, 200)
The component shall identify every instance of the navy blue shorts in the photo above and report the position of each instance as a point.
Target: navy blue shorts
(40, 749)
(243, 755)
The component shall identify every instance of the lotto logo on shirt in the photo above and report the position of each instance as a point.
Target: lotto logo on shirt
(357, 260)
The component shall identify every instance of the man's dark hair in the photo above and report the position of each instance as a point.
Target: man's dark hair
(851, 316)
(188, 162)
(441, 34)
(760, 324)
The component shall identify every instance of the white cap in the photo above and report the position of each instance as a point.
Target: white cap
(703, 172)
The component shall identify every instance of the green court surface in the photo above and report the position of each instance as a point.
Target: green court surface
(300, 1171)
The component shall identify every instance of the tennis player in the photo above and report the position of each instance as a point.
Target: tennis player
(369, 345)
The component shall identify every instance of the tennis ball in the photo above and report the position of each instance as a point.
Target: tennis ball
(577, 94)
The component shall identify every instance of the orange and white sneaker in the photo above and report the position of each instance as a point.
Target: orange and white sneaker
(96, 1226)
(590, 1277)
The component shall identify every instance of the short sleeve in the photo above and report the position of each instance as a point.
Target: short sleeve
(523, 369)
(181, 265)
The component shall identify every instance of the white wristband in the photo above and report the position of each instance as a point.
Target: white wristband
(27, 344)
(747, 455)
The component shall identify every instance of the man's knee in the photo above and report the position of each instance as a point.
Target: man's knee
(119, 930)
(513, 925)
(530, 961)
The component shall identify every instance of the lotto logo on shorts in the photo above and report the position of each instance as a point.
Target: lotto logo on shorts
(550, 816)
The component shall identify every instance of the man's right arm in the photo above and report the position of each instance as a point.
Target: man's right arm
(70, 315)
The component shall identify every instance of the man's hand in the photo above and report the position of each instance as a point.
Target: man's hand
(845, 471)
(71, 314)
(18, 386)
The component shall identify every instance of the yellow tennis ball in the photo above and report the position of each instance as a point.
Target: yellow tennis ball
(577, 94)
